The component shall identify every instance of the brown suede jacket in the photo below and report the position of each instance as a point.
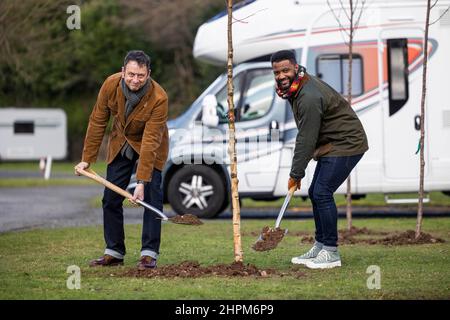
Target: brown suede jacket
(145, 129)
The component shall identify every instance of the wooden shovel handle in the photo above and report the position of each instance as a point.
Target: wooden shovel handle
(91, 174)
(292, 190)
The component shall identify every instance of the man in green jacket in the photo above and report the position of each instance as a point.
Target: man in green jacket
(328, 131)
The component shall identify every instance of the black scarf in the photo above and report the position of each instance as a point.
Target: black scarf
(132, 99)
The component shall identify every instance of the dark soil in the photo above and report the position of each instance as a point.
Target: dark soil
(270, 238)
(358, 231)
(189, 219)
(407, 237)
(404, 238)
(351, 236)
(258, 233)
(192, 269)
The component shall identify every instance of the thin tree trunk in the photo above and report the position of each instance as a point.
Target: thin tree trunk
(422, 124)
(238, 255)
(349, 99)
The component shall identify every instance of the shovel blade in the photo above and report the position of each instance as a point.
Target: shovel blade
(261, 237)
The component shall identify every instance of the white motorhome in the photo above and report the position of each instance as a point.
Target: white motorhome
(32, 133)
(386, 88)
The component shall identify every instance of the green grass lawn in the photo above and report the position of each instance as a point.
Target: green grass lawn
(57, 166)
(65, 168)
(33, 264)
(40, 182)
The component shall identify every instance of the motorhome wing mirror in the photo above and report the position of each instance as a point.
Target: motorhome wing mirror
(209, 111)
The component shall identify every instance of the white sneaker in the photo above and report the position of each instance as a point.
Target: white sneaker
(325, 260)
(311, 254)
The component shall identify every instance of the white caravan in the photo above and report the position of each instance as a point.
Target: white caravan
(387, 74)
(32, 134)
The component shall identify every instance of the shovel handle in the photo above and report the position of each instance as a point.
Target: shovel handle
(292, 190)
(285, 204)
(91, 174)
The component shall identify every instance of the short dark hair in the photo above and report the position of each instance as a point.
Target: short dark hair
(283, 55)
(139, 56)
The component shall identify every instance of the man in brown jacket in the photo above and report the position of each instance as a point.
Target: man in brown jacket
(139, 107)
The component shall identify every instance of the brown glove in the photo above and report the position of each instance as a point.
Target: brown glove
(292, 182)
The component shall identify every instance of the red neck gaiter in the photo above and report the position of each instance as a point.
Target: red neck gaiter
(298, 82)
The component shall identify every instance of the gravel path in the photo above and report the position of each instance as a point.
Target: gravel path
(50, 207)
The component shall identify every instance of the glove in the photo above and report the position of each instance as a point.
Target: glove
(231, 116)
(292, 182)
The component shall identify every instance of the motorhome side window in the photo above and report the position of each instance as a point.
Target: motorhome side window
(222, 104)
(397, 74)
(333, 69)
(257, 97)
(259, 94)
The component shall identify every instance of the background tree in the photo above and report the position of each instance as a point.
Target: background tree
(44, 64)
(422, 114)
(171, 27)
(353, 12)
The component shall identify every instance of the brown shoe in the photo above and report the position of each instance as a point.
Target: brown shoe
(146, 262)
(106, 261)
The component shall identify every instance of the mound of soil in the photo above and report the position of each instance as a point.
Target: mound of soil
(189, 219)
(354, 231)
(270, 238)
(192, 269)
(408, 237)
(293, 233)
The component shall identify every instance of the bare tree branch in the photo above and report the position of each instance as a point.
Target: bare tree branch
(343, 9)
(338, 20)
(434, 4)
(356, 24)
(242, 20)
(440, 17)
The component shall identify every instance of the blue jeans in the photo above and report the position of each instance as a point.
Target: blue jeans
(330, 173)
(119, 172)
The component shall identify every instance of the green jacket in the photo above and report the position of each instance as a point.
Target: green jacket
(327, 126)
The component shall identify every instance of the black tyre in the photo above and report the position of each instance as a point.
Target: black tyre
(197, 190)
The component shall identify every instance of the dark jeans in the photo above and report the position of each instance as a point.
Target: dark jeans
(119, 172)
(330, 173)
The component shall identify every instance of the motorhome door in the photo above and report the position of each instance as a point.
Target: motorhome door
(400, 68)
